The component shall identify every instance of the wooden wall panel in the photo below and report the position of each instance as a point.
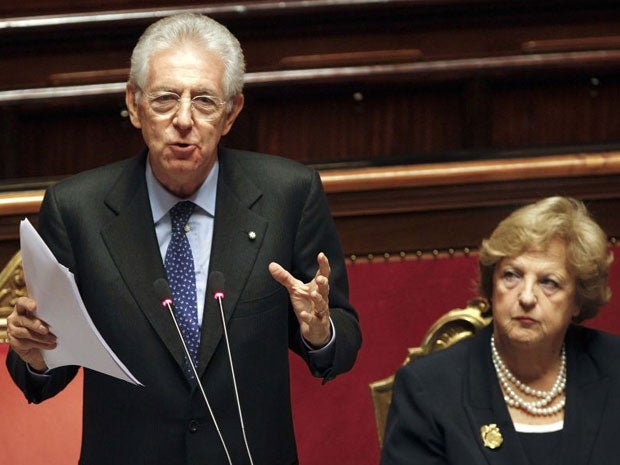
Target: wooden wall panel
(576, 110)
(66, 139)
(356, 122)
(403, 81)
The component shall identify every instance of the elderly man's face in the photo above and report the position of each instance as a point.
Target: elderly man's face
(182, 142)
(534, 297)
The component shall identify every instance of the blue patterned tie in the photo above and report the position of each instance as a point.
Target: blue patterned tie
(179, 263)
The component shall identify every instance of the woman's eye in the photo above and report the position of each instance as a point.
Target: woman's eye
(510, 275)
(549, 284)
(510, 278)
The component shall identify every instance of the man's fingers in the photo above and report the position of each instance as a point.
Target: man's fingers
(23, 325)
(324, 268)
(320, 305)
(27, 323)
(25, 306)
(282, 276)
(27, 344)
(30, 330)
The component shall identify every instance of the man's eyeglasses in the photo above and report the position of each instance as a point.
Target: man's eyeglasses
(206, 107)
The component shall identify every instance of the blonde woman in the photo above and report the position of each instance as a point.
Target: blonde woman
(534, 387)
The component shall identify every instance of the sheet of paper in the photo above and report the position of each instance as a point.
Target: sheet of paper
(60, 305)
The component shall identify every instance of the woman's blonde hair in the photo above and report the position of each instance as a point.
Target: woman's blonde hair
(533, 227)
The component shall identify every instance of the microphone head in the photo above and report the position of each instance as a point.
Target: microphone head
(163, 292)
(216, 280)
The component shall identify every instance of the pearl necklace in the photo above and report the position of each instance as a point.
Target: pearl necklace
(538, 407)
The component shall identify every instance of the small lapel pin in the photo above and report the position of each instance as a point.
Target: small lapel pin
(187, 228)
(251, 235)
(491, 436)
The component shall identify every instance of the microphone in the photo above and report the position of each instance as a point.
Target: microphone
(217, 284)
(216, 280)
(163, 292)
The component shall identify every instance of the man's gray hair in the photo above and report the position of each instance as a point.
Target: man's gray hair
(174, 30)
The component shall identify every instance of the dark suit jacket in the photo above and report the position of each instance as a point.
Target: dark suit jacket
(440, 402)
(99, 224)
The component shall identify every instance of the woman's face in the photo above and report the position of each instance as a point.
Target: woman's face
(534, 297)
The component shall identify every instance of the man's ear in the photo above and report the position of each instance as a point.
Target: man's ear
(237, 106)
(132, 105)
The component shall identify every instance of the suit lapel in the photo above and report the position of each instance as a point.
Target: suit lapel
(237, 236)
(132, 243)
(485, 406)
(585, 404)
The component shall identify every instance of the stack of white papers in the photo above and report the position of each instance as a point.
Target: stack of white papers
(60, 305)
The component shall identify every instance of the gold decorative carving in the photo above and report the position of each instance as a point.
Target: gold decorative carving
(12, 286)
(454, 326)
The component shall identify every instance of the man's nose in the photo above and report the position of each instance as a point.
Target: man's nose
(183, 116)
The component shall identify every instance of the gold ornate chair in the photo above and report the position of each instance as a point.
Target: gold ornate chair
(452, 327)
(12, 286)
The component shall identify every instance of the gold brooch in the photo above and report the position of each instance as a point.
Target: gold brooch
(491, 436)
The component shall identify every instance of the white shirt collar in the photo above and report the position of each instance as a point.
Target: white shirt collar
(161, 200)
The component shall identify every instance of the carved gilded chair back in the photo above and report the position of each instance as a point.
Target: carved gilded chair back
(450, 328)
(12, 286)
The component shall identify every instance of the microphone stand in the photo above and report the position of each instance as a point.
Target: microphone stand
(219, 295)
(167, 302)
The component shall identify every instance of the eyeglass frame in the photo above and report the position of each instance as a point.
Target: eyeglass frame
(150, 98)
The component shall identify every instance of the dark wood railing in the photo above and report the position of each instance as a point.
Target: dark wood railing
(421, 208)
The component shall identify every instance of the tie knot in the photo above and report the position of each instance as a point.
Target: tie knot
(180, 213)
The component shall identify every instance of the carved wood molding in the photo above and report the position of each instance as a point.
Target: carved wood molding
(572, 44)
(12, 286)
(441, 174)
(20, 202)
(351, 180)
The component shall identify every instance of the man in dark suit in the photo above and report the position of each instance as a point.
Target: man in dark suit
(254, 217)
